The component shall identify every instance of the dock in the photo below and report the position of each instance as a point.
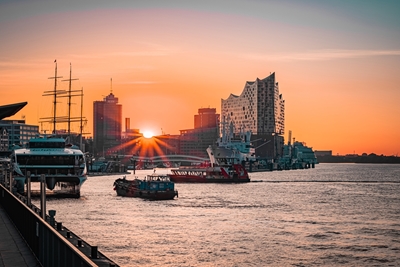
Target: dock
(13, 249)
(30, 237)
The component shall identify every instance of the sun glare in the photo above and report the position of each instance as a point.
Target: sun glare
(147, 134)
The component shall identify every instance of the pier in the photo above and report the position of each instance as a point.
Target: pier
(30, 237)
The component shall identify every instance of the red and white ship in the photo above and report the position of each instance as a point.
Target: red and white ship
(212, 172)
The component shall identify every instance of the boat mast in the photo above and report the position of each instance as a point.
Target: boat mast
(69, 99)
(81, 126)
(55, 96)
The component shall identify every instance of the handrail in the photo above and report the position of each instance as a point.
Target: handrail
(47, 243)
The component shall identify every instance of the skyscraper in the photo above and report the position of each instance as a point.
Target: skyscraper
(107, 124)
(259, 109)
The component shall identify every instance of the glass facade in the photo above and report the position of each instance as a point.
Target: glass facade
(107, 124)
(259, 109)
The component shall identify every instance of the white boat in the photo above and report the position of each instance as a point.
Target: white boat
(64, 166)
(234, 150)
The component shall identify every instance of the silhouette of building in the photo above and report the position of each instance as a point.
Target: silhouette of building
(107, 125)
(195, 141)
(207, 118)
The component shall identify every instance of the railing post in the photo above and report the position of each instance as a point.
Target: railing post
(11, 181)
(5, 178)
(28, 188)
(43, 195)
(52, 213)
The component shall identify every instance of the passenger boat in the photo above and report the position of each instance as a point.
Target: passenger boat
(153, 187)
(63, 165)
(212, 172)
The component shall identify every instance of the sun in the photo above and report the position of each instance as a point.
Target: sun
(148, 134)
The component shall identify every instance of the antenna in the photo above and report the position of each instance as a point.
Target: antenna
(111, 86)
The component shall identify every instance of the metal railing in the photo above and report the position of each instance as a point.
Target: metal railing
(52, 244)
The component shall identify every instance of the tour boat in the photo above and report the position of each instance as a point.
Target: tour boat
(212, 172)
(153, 187)
(63, 165)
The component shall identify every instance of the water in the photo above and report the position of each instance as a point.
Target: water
(335, 214)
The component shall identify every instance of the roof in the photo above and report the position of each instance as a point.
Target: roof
(10, 110)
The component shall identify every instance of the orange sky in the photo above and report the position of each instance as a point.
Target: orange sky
(337, 65)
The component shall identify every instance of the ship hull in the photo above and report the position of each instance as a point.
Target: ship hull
(153, 187)
(201, 179)
(151, 195)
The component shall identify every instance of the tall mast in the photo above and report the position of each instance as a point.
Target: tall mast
(81, 127)
(69, 98)
(55, 97)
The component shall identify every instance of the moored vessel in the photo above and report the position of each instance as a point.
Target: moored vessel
(210, 172)
(63, 165)
(153, 187)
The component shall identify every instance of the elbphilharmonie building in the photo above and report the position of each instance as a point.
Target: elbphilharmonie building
(259, 108)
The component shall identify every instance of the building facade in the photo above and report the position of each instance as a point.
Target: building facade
(194, 142)
(259, 109)
(206, 118)
(4, 145)
(19, 133)
(107, 124)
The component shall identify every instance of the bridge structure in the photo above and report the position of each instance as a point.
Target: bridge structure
(168, 158)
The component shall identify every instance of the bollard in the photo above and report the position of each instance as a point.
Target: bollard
(94, 252)
(79, 242)
(59, 226)
(68, 234)
(52, 213)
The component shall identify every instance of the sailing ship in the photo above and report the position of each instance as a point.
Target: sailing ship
(63, 165)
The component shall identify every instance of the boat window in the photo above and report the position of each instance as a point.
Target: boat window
(45, 160)
(47, 144)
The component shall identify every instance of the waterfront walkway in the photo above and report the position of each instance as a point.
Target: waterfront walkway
(14, 252)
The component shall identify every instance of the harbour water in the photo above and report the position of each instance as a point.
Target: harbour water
(333, 215)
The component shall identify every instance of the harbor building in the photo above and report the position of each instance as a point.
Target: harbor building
(195, 141)
(18, 132)
(260, 108)
(206, 118)
(107, 124)
(4, 140)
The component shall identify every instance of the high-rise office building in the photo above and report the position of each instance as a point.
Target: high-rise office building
(107, 124)
(259, 109)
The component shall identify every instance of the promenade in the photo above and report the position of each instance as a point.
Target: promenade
(14, 252)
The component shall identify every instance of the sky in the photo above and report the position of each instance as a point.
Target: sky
(337, 63)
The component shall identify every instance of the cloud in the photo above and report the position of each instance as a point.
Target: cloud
(325, 54)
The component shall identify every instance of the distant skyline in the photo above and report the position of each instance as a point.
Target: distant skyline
(336, 62)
